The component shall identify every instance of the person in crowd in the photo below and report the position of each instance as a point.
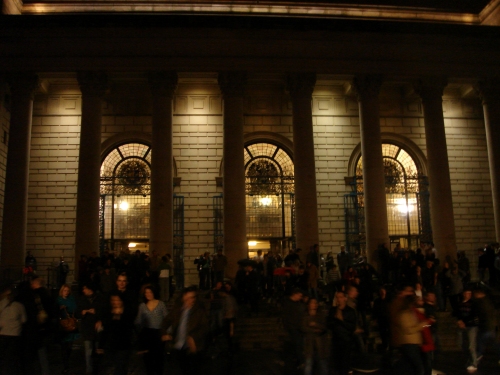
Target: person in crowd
(342, 323)
(313, 256)
(128, 296)
(39, 311)
(443, 286)
(428, 346)
(344, 260)
(429, 276)
(249, 287)
(30, 261)
(271, 265)
(204, 266)
(117, 328)
(62, 272)
(333, 281)
(456, 286)
(487, 324)
(66, 307)
(107, 279)
(187, 328)
(292, 257)
(329, 261)
(293, 310)
(380, 313)
(12, 318)
(407, 330)
(316, 348)
(229, 310)
(467, 322)
(219, 265)
(482, 264)
(384, 258)
(312, 281)
(149, 319)
(349, 275)
(430, 310)
(89, 311)
(463, 264)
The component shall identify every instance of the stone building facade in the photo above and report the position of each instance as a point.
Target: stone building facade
(324, 90)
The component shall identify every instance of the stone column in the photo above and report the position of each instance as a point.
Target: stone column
(376, 226)
(93, 86)
(15, 212)
(232, 85)
(301, 86)
(163, 85)
(489, 91)
(442, 218)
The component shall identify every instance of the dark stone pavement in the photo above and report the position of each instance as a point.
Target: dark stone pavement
(261, 362)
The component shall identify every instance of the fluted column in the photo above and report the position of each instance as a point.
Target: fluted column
(442, 218)
(301, 86)
(376, 226)
(489, 91)
(232, 85)
(93, 86)
(163, 85)
(15, 212)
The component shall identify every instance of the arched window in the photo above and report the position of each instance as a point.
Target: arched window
(269, 192)
(406, 195)
(125, 196)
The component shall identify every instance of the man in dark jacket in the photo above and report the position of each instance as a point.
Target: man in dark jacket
(342, 322)
(187, 327)
(90, 312)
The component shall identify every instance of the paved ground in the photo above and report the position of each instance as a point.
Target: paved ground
(263, 363)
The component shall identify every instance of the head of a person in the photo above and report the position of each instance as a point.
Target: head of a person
(342, 249)
(296, 295)
(479, 293)
(121, 282)
(228, 287)
(405, 291)
(352, 292)
(341, 298)
(36, 283)
(466, 294)
(189, 296)
(5, 291)
(116, 301)
(88, 289)
(316, 249)
(259, 252)
(219, 252)
(312, 305)
(418, 286)
(148, 293)
(301, 270)
(64, 291)
(382, 292)
(430, 298)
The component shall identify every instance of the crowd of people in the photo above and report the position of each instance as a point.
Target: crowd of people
(329, 305)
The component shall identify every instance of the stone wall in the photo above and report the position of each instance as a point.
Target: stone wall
(197, 147)
(53, 177)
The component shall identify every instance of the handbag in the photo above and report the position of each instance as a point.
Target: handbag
(68, 324)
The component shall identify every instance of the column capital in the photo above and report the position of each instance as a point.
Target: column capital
(430, 88)
(488, 90)
(233, 83)
(367, 85)
(300, 85)
(163, 82)
(93, 83)
(23, 83)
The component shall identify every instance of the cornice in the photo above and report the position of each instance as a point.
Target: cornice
(256, 8)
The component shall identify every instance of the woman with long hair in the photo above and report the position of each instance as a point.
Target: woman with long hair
(66, 307)
(152, 311)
